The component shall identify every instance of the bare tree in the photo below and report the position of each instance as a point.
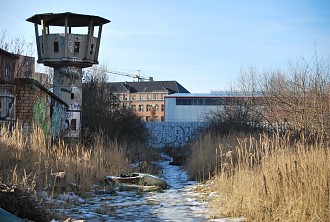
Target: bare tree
(102, 110)
(299, 96)
(23, 51)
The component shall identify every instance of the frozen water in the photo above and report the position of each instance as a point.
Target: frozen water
(178, 203)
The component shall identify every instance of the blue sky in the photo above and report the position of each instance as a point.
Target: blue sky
(201, 44)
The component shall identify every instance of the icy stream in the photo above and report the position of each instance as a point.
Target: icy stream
(178, 203)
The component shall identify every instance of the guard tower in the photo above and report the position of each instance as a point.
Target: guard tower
(68, 53)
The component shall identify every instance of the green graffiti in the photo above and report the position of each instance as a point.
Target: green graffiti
(40, 114)
(56, 119)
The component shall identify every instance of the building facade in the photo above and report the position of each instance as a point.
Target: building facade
(146, 98)
(193, 107)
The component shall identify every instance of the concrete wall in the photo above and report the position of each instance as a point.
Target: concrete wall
(53, 49)
(173, 134)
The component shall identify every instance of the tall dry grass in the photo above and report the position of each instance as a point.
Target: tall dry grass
(266, 178)
(35, 164)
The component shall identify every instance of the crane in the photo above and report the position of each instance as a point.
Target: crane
(137, 77)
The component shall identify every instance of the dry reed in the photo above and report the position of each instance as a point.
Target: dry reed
(34, 164)
(266, 178)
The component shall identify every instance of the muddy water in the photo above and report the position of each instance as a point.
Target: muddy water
(178, 203)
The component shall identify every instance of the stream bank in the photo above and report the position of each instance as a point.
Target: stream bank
(180, 202)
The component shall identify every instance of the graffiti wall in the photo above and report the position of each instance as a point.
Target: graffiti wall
(49, 115)
(37, 106)
(67, 85)
(41, 113)
(173, 134)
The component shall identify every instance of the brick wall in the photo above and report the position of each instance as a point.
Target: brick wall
(35, 105)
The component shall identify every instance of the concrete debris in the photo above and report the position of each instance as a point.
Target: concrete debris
(137, 181)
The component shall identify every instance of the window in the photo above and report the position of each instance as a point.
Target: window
(76, 47)
(201, 101)
(148, 97)
(163, 107)
(155, 96)
(92, 49)
(125, 97)
(141, 108)
(156, 119)
(133, 97)
(148, 118)
(162, 118)
(148, 108)
(133, 107)
(156, 107)
(72, 95)
(56, 49)
(141, 97)
(73, 125)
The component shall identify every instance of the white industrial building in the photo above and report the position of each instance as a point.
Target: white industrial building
(195, 107)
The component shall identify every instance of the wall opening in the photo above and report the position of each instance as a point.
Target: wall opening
(76, 47)
(56, 48)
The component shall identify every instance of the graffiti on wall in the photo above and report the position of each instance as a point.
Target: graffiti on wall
(72, 40)
(56, 118)
(48, 114)
(40, 114)
(68, 76)
(72, 124)
(174, 134)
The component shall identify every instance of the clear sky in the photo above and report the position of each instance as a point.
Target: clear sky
(201, 44)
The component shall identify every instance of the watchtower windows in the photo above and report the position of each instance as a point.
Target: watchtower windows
(73, 125)
(76, 47)
(56, 49)
(92, 48)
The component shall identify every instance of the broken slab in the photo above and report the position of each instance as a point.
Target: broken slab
(139, 180)
(139, 188)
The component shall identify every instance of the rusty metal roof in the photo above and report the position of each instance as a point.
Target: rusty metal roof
(75, 20)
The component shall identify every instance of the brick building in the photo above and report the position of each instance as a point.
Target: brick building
(146, 98)
(36, 105)
(25, 101)
(15, 66)
(12, 66)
